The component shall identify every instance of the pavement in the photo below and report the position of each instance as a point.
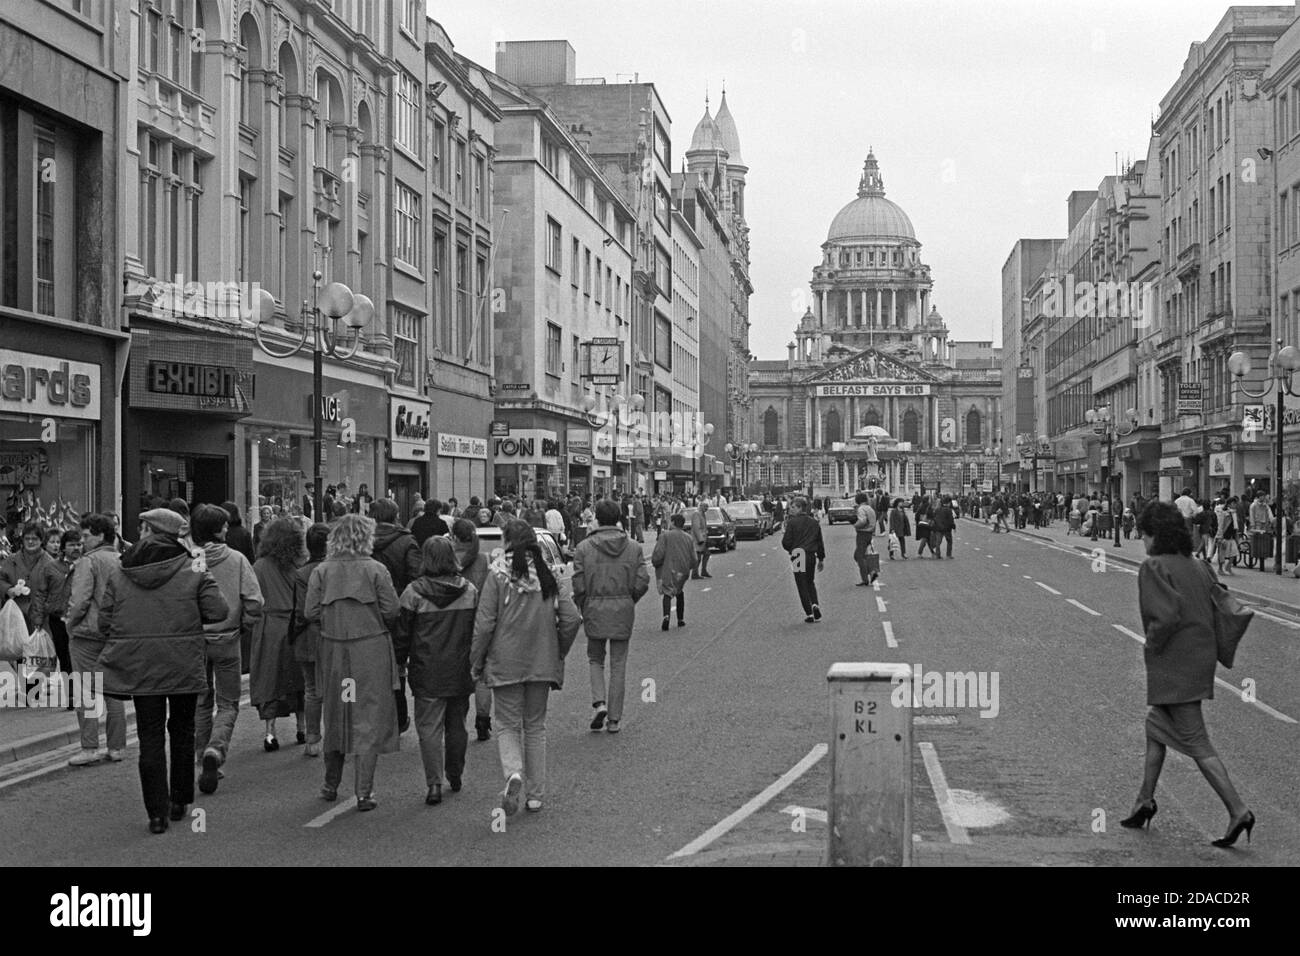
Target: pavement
(721, 759)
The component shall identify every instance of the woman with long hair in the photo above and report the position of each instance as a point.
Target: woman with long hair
(351, 596)
(275, 685)
(1180, 653)
(523, 630)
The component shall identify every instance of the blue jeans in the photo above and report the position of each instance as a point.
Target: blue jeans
(521, 732)
(85, 655)
(617, 674)
(223, 676)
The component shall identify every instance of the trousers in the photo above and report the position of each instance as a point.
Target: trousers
(363, 769)
(805, 583)
(440, 724)
(521, 732)
(222, 666)
(85, 655)
(173, 714)
(617, 673)
(668, 607)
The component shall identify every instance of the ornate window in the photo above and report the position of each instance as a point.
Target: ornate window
(911, 426)
(973, 435)
(771, 431)
(871, 417)
(833, 430)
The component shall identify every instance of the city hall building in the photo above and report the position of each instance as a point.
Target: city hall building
(873, 394)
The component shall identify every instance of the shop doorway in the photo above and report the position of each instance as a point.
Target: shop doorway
(403, 489)
(193, 478)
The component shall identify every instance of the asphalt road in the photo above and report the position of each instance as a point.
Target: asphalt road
(720, 710)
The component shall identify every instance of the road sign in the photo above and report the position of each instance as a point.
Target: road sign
(499, 429)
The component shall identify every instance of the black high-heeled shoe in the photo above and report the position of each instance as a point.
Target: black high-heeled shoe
(1141, 817)
(1245, 822)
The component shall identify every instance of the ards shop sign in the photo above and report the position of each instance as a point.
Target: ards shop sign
(527, 446)
(409, 428)
(44, 385)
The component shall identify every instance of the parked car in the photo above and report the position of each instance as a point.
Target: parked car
(750, 519)
(560, 563)
(842, 509)
(722, 530)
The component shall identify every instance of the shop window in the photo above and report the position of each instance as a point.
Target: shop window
(57, 477)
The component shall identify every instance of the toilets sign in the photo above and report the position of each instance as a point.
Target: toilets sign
(871, 389)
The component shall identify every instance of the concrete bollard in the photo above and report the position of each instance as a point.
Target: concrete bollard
(870, 808)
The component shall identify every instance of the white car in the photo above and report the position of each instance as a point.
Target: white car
(493, 542)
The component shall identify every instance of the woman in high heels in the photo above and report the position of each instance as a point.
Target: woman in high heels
(1180, 653)
(275, 684)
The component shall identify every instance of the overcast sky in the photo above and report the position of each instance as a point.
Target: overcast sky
(984, 114)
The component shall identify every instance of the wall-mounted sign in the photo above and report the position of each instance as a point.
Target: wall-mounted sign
(582, 460)
(851, 389)
(331, 408)
(461, 446)
(661, 476)
(44, 385)
(578, 441)
(602, 361)
(408, 428)
(1221, 464)
(1189, 398)
(499, 429)
(534, 446)
(190, 378)
(517, 387)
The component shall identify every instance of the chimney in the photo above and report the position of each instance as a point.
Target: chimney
(536, 62)
(791, 348)
(582, 136)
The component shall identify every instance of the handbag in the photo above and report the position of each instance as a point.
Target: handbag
(1231, 618)
(13, 631)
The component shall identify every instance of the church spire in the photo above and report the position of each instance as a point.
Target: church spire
(871, 183)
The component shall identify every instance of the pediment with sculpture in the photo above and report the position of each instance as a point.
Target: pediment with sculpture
(872, 365)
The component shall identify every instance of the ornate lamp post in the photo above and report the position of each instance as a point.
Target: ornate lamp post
(335, 302)
(1100, 420)
(1283, 364)
(695, 459)
(616, 403)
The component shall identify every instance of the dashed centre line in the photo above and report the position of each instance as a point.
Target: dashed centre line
(1047, 588)
(880, 604)
(1083, 607)
(889, 634)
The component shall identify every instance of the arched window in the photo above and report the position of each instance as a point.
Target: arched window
(871, 417)
(911, 427)
(250, 107)
(832, 430)
(771, 433)
(973, 436)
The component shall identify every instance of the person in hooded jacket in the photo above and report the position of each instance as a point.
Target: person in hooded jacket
(523, 630)
(89, 579)
(900, 527)
(396, 549)
(609, 577)
(944, 525)
(237, 536)
(351, 596)
(435, 628)
(673, 558)
(275, 683)
(473, 564)
(209, 526)
(155, 604)
(304, 636)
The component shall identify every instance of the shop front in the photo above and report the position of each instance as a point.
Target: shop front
(577, 448)
(527, 463)
(409, 449)
(186, 394)
(56, 415)
(670, 474)
(462, 467)
(279, 447)
(1137, 460)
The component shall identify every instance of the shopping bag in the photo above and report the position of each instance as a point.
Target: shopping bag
(13, 632)
(39, 656)
(1231, 619)
(893, 543)
(873, 565)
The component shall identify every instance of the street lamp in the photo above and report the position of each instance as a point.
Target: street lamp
(589, 403)
(336, 302)
(1282, 365)
(1100, 420)
(740, 455)
(698, 450)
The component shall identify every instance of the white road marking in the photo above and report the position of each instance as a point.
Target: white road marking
(749, 564)
(876, 584)
(939, 783)
(889, 634)
(343, 807)
(1050, 590)
(1028, 577)
(1256, 703)
(1133, 634)
(753, 805)
(808, 813)
(702, 590)
(732, 575)
(880, 604)
(1273, 617)
(1222, 683)
(1006, 565)
(1083, 607)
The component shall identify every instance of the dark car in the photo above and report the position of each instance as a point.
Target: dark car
(722, 530)
(841, 509)
(750, 519)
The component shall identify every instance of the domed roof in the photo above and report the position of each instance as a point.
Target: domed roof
(706, 132)
(728, 138)
(871, 215)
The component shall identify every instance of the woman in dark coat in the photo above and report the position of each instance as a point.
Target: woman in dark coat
(237, 536)
(924, 519)
(306, 637)
(435, 628)
(900, 526)
(1180, 653)
(275, 685)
